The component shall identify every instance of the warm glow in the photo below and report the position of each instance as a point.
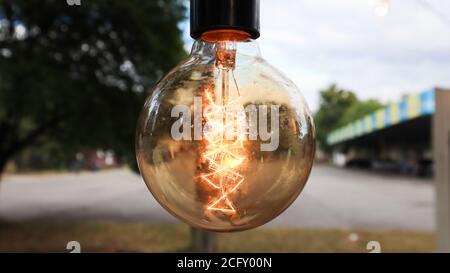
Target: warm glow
(225, 142)
(224, 152)
(383, 8)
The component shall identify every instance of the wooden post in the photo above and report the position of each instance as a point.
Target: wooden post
(203, 241)
(441, 148)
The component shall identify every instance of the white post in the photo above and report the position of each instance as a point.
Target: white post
(441, 148)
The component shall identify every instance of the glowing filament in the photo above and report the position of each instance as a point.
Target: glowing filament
(224, 151)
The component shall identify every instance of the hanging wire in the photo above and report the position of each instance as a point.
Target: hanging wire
(443, 17)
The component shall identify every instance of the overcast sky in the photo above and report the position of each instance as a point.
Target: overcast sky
(318, 42)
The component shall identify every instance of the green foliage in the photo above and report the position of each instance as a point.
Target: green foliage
(337, 108)
(359, 109)
(75, 76)
(333, 104)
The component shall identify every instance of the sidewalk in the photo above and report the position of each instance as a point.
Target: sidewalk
(333, 198)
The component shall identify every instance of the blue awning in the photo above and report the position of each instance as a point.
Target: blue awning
(411, 107)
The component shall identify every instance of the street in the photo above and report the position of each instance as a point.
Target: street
(332, 198)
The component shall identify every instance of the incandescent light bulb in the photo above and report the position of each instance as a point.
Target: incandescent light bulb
(225, 142)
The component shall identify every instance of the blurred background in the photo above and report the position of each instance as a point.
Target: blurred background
(74, 76)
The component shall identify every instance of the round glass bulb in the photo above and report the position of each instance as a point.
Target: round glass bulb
(225, 142)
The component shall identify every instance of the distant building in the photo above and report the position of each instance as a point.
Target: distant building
(396, 138)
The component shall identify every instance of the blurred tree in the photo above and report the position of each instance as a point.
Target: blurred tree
(337, 108)
(333, 104)
(75, 75)
(359, 109)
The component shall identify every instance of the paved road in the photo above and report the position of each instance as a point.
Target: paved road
(333, 198)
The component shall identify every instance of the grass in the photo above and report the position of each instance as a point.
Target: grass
(38, 236)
